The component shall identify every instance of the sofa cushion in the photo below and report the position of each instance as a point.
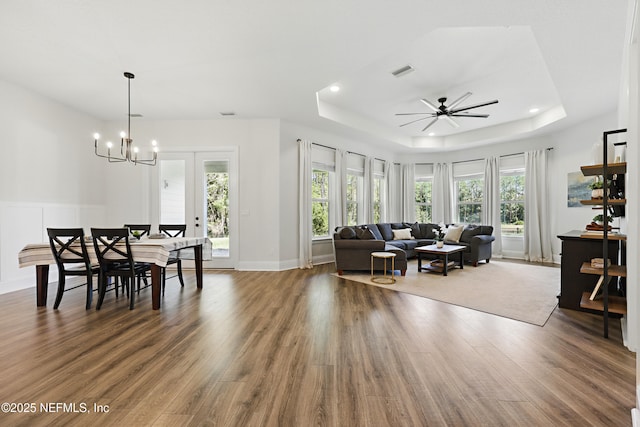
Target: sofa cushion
(453, 233)
(415, 229)
(468, 232)
(374, 229)
(364, 233)
(427, 231)
(410, 244)
(347, 233)
(385, 231)
(402, 234)
(398, 243)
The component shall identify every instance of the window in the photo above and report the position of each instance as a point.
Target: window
(320, 202)
(512, 202)
(355, 189)
(423, 187)
(423, 199)
(468, 180)
(469, 193)
(354, 198)
(378, 190)
(322, 191)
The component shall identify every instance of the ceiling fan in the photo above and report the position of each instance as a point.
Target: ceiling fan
(447, 112)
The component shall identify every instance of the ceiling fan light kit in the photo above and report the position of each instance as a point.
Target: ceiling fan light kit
(447, 112)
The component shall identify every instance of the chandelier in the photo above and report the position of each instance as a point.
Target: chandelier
(128, 152)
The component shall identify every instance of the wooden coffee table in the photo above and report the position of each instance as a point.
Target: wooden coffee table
(442, 264)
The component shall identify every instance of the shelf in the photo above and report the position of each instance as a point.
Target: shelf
(617, 304)
(612, 168)
(598, 235)
(599, 202)
(613, 270)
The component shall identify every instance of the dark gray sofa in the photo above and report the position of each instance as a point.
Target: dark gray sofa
(353, 244)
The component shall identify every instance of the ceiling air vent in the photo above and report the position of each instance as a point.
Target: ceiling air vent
(402, 71)
(227, 113)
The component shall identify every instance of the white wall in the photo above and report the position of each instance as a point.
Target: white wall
(48, 175)
(257, 141)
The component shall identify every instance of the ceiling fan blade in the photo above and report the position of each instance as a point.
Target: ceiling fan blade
(413, 121)
(430, 123)
(469, 107)
(412, 114)
(470, 115)
(450, 121)
(455, 103)
(430, 105)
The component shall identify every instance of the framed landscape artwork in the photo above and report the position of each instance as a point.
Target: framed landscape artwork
(578, 188)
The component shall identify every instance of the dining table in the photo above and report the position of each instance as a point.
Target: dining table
(154, 251)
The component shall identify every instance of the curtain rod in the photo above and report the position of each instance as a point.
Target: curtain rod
(319, 145)
(504, 155)
(349, 152)
(362, 155)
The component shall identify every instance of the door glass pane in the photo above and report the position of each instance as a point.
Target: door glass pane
(217, 196)
(172, 191)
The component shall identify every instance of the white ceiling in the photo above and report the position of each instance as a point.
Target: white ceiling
(195, 59)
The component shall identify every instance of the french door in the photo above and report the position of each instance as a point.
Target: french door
(200, 189)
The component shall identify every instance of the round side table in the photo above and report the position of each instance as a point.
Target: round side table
(384, 280)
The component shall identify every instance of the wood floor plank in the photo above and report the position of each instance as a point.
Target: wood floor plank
(303, 347)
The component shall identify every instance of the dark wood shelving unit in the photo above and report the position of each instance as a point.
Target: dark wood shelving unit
(600, 202)
(605, 303)
(613, 271)
(616, 305)
(612, 168)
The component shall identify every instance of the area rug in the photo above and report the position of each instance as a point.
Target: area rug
(522, 291)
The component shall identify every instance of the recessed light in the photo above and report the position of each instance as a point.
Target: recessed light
(534, 110)
(432, 133)
(334, 88)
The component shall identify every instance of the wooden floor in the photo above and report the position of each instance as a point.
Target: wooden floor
(304, 348)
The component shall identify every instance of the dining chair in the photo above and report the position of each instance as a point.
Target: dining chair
(173, 230)
(71, 256)
(114, 256)
(142, 229)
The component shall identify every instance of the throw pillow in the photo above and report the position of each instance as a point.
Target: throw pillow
(427, 231)
(347, 233)
(385, 231)
(415, 229)
(453, 233)
(364, 233)
(402, 234)
(468, 232)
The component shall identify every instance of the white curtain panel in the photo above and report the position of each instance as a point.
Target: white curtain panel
(305, 255)
(408, 192)
(491, 201)
(367, 199)
(442, 194)
(393, 190)
(340, 208)
(537, 230)
(384, 194)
